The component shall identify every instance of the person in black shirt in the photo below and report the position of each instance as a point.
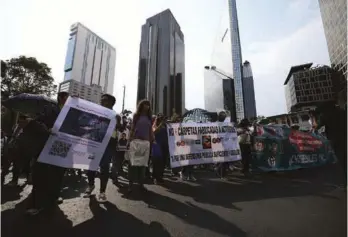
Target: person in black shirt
(47, 179)
(108, 101)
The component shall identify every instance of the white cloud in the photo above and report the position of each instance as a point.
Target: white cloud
(271, 62)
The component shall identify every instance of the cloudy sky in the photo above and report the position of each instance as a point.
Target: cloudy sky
(274, 35)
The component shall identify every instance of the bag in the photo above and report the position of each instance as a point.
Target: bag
(139, 152)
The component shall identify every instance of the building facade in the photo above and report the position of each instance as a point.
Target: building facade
(91, 93)
(213, 91)
(236, 59)
(249, 91)
(90, 59)
(161, 77)
(306, 87)
(334, 17)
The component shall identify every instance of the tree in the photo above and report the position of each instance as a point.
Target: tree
(26, 75)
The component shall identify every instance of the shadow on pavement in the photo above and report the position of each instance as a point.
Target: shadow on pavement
(73, 186)
(192, 214)
(238, 188)
(11, 193)
(108, 220)
(14, 223)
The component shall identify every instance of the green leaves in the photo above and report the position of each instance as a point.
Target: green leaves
(26, 75)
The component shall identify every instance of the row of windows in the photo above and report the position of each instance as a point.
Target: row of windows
(313, 98)
(316, 91)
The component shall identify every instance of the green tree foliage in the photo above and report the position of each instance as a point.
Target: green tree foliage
(26, 75)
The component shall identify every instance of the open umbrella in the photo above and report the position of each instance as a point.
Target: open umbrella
(29, 103)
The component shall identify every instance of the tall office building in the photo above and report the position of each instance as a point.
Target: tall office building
(161, 77)
(90, 60)
(248, 91)
(236, 59)
(334, 17)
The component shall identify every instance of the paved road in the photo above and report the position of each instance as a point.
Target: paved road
(301, 203)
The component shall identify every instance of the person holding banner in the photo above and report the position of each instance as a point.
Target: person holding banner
(139, 147)
(47, 179)
(108, 101)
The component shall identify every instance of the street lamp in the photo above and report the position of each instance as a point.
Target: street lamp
(232, 108)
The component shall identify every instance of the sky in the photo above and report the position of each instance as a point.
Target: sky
(275, 34)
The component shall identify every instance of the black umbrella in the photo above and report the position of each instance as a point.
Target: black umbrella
(29, 103)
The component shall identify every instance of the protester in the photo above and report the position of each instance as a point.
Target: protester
(122, 141)
(139, 148)
(108, 101)
(159, 148)
(222, 168)
(47, 179)
(244, 138)
(21, 161)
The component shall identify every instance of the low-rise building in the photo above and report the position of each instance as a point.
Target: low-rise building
(91, 93)
(307, 87)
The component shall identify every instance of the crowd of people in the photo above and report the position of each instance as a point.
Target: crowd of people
(140, 141)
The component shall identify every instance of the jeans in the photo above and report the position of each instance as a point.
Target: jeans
(158, 167)
(136, 173)
(104, 171)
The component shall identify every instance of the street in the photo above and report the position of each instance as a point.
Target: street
(309, 202)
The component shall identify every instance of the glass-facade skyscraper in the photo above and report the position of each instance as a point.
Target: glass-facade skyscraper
(236, 59)
(334, 17)
(248, 91)
(161, 77)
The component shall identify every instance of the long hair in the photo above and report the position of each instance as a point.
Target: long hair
(140, 110)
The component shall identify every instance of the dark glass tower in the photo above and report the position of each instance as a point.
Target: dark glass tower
(161, 77)
(248, 91)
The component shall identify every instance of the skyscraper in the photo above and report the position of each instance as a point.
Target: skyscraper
(236, 59)
(334, 17)
(90, 60)
(248, 91)
(161, 77)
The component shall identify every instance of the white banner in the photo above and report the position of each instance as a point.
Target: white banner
(80, 135)
(202, 143)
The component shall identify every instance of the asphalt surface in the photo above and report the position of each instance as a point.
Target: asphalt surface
(310, 202)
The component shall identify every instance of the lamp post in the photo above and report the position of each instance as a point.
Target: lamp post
(223, 75)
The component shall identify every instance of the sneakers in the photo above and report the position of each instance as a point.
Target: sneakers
(192, 178)
(102, 197)
(89, 189)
